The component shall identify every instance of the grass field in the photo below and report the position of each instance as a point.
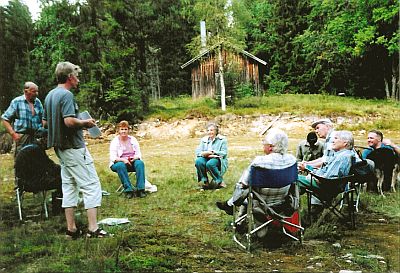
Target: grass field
(179, 229)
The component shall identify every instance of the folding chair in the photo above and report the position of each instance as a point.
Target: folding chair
(272, 202)
(35, 172)
(121, 187)
(332, 193)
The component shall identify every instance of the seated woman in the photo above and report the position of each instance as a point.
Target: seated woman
(125, 156)
(211, 156)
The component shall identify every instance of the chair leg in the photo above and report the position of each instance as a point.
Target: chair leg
(46, 213)
(250, 221)
(19, 201)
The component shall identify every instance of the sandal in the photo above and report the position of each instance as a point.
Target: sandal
(98, 233)
(73, 235)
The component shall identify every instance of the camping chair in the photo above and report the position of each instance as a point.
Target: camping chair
(272, 202)
(120, 189)
(332, 193)
(35, 172)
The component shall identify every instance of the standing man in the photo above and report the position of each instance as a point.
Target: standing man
(65, 135)
(24, 117)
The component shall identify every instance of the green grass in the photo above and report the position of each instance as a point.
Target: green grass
(179, 228)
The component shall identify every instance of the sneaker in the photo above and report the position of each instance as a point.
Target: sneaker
(225, 207)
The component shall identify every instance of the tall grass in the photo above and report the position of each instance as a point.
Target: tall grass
(179, 228)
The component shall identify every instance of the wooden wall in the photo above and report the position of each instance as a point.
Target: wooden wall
(205, 80)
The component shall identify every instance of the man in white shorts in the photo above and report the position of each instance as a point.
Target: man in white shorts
(66, 136)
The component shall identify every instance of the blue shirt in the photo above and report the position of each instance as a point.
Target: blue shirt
(338, 165)
(20, 114)
(367, 151)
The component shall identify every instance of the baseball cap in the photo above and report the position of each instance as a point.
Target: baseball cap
(323, 121)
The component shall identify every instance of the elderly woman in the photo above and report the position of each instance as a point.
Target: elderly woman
(125, 156)
(211, 156)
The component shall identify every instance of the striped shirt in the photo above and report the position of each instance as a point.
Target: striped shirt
(20, 114)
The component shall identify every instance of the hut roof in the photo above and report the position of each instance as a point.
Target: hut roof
(244, 52)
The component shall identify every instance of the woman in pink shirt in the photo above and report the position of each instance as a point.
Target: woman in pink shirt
(125, 156)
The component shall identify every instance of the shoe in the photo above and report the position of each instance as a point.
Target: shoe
(221, 185)
(225, 207)
(73, 235)
(129, 194)
(141, 194)
(98, 233)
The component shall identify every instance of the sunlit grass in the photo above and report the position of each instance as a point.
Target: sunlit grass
(179, 228)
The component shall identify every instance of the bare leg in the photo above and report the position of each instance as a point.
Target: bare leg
(70, 217)
(92, 219)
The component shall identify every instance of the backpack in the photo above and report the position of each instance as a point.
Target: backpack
(363, 170)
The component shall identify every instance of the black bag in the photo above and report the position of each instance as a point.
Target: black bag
(363, 170)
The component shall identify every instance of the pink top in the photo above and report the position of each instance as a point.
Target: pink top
(119, 150)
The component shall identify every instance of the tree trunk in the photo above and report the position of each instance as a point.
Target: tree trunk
(221, 77)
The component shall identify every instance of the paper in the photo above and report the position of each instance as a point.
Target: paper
(113, 221)
(94, 132)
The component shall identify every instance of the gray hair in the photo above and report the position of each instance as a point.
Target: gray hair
(213, 125)
(29, 85)
(65, 70)
(347, 137)
(278, 139)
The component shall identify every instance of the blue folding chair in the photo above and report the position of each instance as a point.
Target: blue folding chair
(272, 202)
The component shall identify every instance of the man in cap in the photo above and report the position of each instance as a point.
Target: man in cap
(65, 135)
(324, 130)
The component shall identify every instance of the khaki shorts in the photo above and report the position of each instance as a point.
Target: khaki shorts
(78, 174)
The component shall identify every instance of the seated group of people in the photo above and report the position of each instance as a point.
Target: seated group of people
(332, 159)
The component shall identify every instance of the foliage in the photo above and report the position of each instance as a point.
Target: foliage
(16, 30)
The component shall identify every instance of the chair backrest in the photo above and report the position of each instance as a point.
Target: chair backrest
(273, 178)
(35, 171)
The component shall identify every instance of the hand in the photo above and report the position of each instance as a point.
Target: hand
(126, 161)
(89, 123)
(206, 154)
(301, 166)
(15, 136)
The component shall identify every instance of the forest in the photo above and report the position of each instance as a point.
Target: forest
(131, 51)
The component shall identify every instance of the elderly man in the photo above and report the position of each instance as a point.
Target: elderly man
(324, 130)
(275, 145)
(65, 135)
(338, 165)
(24, 116)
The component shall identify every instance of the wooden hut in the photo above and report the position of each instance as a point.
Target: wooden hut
(205, 70)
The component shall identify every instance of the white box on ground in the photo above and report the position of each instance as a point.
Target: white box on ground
(94, 132)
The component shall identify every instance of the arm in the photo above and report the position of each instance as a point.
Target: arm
(391, 144)
(73, 122)
(136, 148)
(299, 153)
(223, 149)
(15, 136)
